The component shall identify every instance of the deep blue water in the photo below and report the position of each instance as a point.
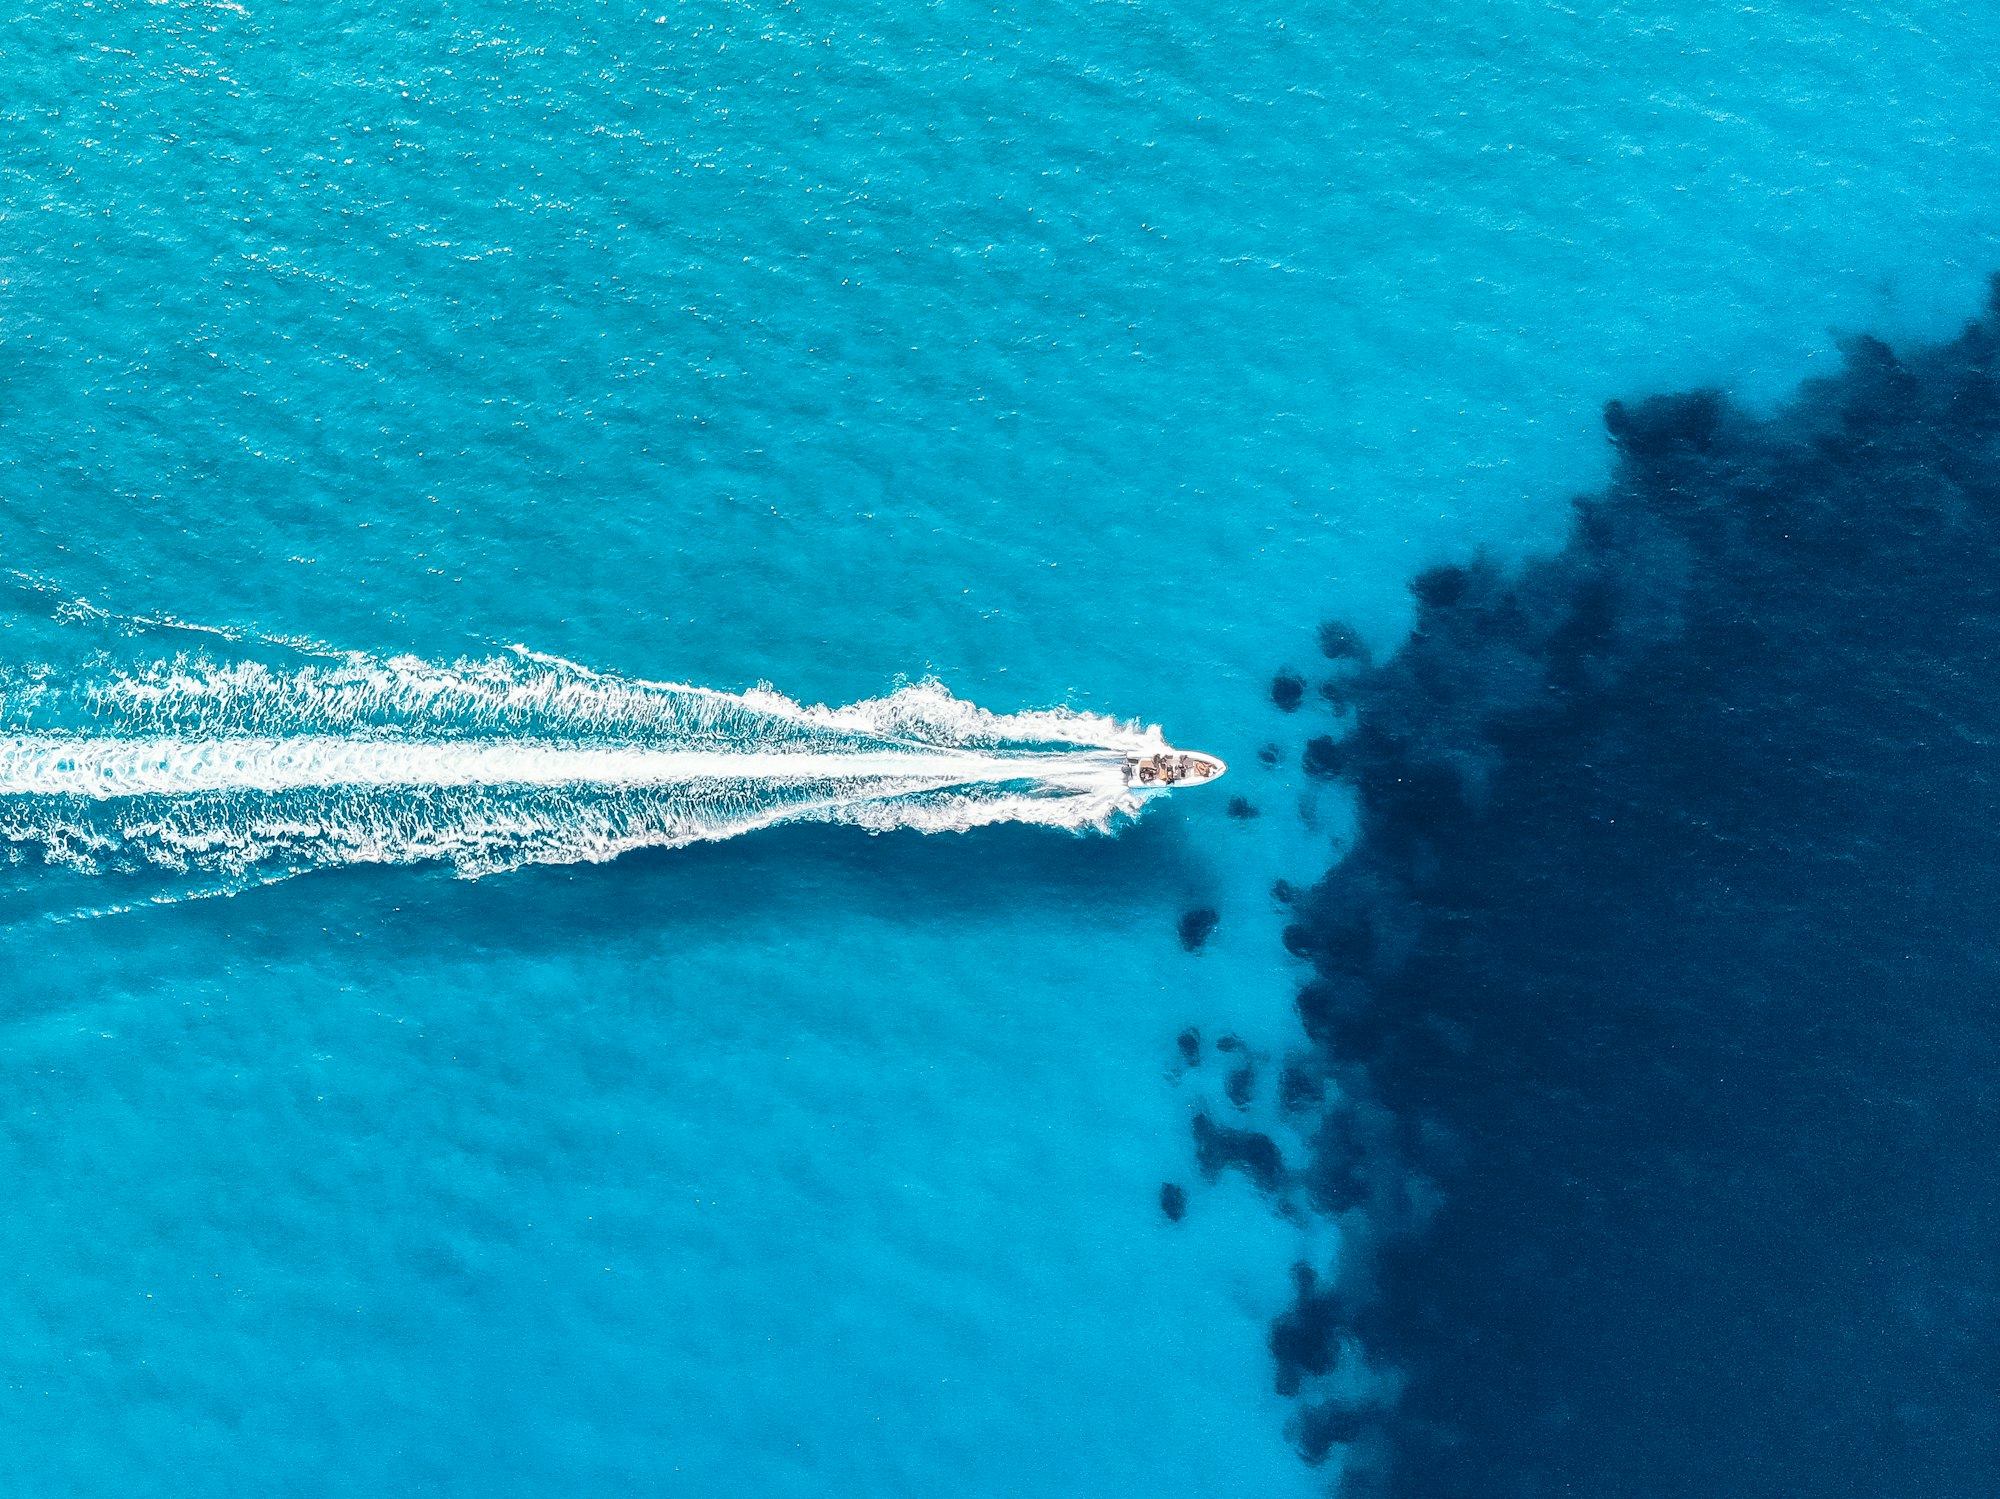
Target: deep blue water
(1087, 356)
(1665, 960)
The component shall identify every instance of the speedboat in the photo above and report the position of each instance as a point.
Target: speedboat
(1171, 768)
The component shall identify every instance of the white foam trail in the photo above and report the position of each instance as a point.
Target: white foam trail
(107, 768)
(242, 767)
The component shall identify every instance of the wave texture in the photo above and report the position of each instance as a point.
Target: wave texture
(242, 768)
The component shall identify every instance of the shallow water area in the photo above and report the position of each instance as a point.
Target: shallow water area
(1080, 360)
(551, 1309)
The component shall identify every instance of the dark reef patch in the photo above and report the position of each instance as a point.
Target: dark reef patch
(1173, 1201)
(1218, 1148)
(1241, 1085)
(1288, 690)
(1338, 642)
(1189, 1042)
(1242, 808)
(1338, 694)
(1299, 1087)
(1324, 758)
(1306, 1338)
(1660, 993)
(1197, 926)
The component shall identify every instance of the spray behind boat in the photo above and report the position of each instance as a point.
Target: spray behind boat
(214, 762)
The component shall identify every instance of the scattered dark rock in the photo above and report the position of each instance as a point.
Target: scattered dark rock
(1299, 1088)
(1288, 690)
(1241, 1085)
(1230, 1042)
(1305, 1339)
(1284, 892)
(1325, 757)
(1242, 808)
(1337, 642)
(1173, 1201)
(1663, 426)
(1441, 587)
(1197, 926)
(1270, 755)
(1336, 1174)
(1189, 1041)
(1217, 1147)
(1317, 1429)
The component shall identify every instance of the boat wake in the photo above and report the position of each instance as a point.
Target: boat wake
(226, 763)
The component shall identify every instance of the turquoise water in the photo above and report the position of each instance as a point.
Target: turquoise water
(1082, 357)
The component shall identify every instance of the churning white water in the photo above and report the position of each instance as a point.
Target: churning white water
(230, 766)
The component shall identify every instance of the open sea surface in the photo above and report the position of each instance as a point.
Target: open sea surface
(979, 393)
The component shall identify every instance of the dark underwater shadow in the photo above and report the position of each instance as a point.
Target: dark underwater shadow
(1659, 996)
